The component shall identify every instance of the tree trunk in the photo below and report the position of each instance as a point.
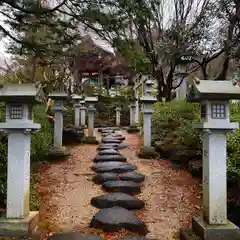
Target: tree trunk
(108, 85)
(100, 81)
(204, 71)
(158, 74)
(169, 81)
(34, 68)
(69, 86)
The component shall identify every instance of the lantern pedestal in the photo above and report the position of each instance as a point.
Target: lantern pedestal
(91, 139)
(19, 99)
(133, 128)
(118, 116)
(76, 99)
(58, 150)
(20, 227)
(83, 110)
(147, 151)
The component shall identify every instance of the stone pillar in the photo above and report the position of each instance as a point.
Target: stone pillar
(147, 118)
(181, 91)
(77, 115)
(58, 150)
(147, 151)
(118, 116)
(91, 111)
(18, 181)
(58, 123)
(214, 181)
(132, 114)
(137, 106)
(83, 113)
(76, 99)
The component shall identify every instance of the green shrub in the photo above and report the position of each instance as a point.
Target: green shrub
(175, 119)
(43, 139)
(40, 144)
(106, 114)
(68, 116)
(233, 146)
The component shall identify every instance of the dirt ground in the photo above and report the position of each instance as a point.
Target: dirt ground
(171, 195)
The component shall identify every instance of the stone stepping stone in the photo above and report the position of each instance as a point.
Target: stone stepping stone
(117, 199)
(122, 186)
(108, 128)
(74, 236)
(110, 137)
(128, 176)
(132, 238)
(109, 152)
(118, 167)
(115, 146)
(116, 218)
(110, 158)
(107, 146)
(110, 140)
(108, 131)
(122, 145)
(132, 176)
(113, 135)
(104, 177)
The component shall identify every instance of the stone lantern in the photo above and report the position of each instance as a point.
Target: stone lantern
(147, 87)
(118, 116)
(19, 100)
(133, 128)
(147, 150)
(132, 107)
(91, 101)
(76, 99)
(215, 123)
(83, 113)
(58, 109)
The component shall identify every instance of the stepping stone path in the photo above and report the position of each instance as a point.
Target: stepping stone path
(128, 176)
(115, 146)
(115, 218)
(111, 166)
(132, 176)
(111, 137)
(111, 140)
(122, 186)
(107, 146)
(109, 152)
(118, 177)
(110, 158)
(104, 177)
(117, 200)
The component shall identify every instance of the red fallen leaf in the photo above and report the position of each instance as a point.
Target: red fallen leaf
(45, 236)
(118, 178)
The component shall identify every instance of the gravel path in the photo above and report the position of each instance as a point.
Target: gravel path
(172, 196)
(65, 190)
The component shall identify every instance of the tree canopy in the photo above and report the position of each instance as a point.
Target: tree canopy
(167, 39)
